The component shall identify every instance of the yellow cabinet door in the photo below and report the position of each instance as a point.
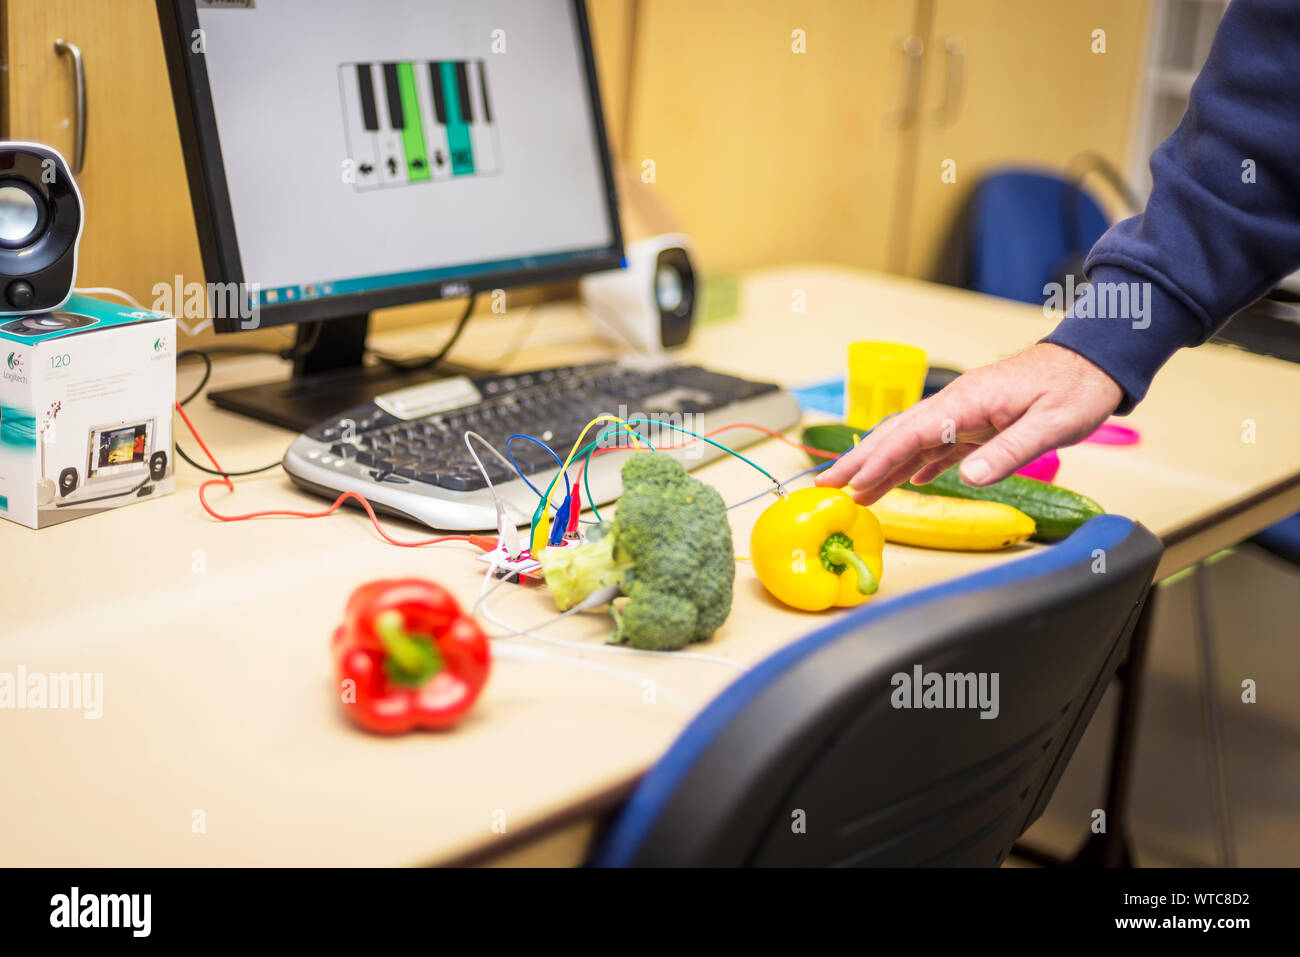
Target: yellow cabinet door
(767, 126)
(1017, 82)
(139, 225)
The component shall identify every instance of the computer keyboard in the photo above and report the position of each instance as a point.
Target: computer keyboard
(406, 453)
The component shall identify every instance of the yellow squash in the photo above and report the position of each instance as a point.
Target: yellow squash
(935, 521)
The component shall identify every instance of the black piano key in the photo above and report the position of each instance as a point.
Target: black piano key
(394, 91)
(366, 86)
(439, 102)
(462, 86)
(482, 84)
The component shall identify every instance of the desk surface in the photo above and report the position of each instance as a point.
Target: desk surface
(218, 698)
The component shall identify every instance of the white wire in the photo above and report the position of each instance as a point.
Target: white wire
(109, 290)
(622, 673)
(501, 643)
(507, 529)
(471, 434)
(480, 607)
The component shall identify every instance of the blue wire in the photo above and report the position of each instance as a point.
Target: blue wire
(816, 468)
(515, 465)
(594, 444)
(520, 472)
(792, 478)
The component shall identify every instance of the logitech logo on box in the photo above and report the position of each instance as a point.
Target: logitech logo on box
(13, 370)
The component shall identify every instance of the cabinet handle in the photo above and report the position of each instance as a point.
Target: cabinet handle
(79, 78)
(914, 56)
(954, 83)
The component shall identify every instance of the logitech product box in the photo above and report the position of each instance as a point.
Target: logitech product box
(86, 397)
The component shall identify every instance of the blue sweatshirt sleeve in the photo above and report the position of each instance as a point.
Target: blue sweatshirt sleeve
(1222, 224)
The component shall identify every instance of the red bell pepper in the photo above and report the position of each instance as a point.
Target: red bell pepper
(414, 658)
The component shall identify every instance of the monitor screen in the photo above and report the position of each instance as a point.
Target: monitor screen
(402, 146)
(118, 449)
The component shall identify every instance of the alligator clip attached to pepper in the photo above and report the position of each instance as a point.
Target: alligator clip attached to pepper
(407, 657)
(817, 549)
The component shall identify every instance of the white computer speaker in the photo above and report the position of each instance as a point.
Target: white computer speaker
(650, 304)
(40, 227)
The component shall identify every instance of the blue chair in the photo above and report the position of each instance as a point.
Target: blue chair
(1027, 229)
(1282, 539)
(805, 761)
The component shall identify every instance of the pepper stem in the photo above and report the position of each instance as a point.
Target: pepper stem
(409, 660)
(837, 555)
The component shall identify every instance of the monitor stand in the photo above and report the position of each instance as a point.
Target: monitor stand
(329, 377)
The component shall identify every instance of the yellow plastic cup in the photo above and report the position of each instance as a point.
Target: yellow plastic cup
(884, 378)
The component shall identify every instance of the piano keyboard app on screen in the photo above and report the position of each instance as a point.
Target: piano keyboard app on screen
(417, 122)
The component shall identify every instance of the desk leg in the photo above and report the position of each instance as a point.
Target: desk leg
(1212, 719)
(1114, 848)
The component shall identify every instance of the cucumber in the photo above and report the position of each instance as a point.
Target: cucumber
(1056, 511)
(833, 438)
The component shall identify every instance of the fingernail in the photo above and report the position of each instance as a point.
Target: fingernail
(976, 470)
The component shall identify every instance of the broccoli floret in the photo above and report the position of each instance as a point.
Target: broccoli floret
(669, 547)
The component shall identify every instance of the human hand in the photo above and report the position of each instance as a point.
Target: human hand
(1041, 399)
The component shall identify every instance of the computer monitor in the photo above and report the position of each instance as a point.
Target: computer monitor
(345, 156)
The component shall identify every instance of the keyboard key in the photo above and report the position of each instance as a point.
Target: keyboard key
(462, 480)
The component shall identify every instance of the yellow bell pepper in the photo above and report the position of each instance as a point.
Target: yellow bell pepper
(817, 549)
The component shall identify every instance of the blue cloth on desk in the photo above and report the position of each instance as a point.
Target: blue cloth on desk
(825, 397)
(1222, 225)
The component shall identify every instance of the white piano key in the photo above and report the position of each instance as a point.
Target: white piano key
(361, 142)
(390, 156)
(435, 133)
(482, 133)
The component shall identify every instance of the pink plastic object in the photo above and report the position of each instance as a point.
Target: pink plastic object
(1109, 434)
(1043, 468)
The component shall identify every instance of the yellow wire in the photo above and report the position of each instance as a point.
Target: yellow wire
(543, 527)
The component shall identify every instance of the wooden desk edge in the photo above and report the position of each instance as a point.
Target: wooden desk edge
(1206, 536)
(570, 832)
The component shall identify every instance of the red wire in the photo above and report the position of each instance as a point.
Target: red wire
(482, 542)
(772, 432)
(575, 506)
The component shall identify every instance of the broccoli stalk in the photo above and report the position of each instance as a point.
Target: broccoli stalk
(576, 571)
(669, 550)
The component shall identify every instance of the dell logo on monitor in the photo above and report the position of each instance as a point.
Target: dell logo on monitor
(451, 290)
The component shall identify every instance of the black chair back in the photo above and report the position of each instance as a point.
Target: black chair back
(926, 730)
